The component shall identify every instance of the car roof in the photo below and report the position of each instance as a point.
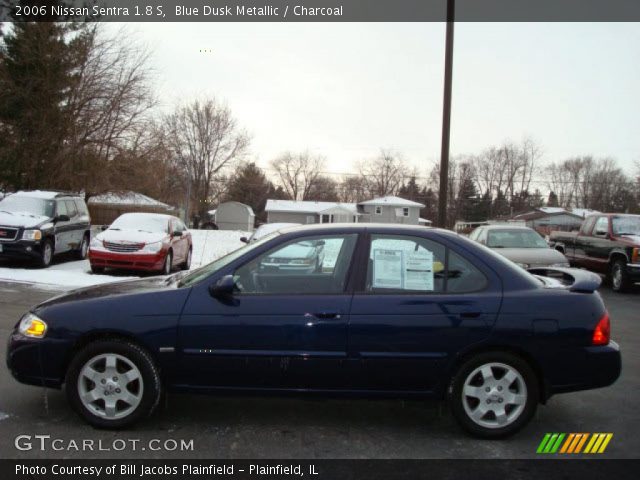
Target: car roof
(505, 227)
(357, 227)
(148, 214)
(44, 194)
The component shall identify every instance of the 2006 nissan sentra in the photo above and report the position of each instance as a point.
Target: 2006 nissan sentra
(391, 311)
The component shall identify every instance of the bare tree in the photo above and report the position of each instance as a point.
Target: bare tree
(353, 189)
(384, 174)
(205, 140)
(297, 173)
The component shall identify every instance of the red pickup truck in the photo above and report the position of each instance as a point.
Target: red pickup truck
(607, 243)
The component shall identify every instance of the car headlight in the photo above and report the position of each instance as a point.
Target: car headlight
(32, 326)
(561, 265)
(95, 243)
(32, 235)
(152, 247)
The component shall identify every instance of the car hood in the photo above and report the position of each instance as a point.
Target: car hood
(21, 219)
(112, 290)
(635, 239)
(131, 236)
(532, 256)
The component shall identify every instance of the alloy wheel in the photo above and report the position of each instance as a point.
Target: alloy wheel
(617, 277)
(47, 254)
(494, 395)
(110, 386)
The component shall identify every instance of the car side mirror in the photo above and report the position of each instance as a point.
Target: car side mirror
(104, 227)
(601, 233)
(62, 218)
(223, 287)
(177, 233)
(244, 239)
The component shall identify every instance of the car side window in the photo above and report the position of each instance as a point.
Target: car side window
(602, 227)
(61, 208)
(71, 208)
(312, 265)
(415, 265)
(462, 276)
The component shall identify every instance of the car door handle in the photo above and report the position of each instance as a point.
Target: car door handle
(470, 314)
(327, 315)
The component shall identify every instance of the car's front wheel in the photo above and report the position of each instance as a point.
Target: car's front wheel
(168, 264)
(46, 255)
(113, 383)
(619, 277)
(494, 394)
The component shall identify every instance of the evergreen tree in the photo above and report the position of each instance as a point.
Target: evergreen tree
(552, 201)
(37, 67)
(470, 206)
(250, 186)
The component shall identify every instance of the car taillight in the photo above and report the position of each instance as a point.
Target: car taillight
(602, 332)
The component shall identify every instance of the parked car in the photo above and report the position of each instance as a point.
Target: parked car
(522, 245)
(608, 244)
(266, 229)
(142, 241)
(37, 225)
(481, 332)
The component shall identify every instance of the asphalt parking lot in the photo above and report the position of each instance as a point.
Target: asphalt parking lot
(254, 427)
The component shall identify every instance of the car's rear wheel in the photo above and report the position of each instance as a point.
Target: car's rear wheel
(113, 383)
(620, 281)
(494, 394)
(46, 255)
(82, 251)
(187, 263)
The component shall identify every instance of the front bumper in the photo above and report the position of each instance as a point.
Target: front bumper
(21, 249)
(127, 261)
(25, 360)
(633, 271)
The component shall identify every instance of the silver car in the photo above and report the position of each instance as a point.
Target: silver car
(522, 245)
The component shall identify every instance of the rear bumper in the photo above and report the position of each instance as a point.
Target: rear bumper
(598, 367)
(127, 261)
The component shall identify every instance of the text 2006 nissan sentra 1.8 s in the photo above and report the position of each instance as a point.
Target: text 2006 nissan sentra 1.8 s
(390, 311)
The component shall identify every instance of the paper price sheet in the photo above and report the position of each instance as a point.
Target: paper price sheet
(399, 269)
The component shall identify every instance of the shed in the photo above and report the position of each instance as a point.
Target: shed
(235, 216)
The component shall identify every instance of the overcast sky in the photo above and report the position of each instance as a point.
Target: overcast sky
(346, 90)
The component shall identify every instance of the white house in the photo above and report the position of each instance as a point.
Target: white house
(385, 210)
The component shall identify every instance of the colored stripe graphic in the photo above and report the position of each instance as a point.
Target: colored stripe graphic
(573, 443)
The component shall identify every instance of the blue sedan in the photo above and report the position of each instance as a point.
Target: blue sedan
(392, 311)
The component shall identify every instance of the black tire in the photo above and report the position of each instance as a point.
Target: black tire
(46, 253)
(522, 415)
(620, 281)
(150, 375)
(186, 265)
(167, 266)
(83, 249)
(97, 270)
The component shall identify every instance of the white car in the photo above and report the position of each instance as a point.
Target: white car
(266, 229)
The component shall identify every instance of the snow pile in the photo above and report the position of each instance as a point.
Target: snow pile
(208, 245)
(126, 198)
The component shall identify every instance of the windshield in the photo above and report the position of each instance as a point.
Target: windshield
(203, 272)
(29, 205)
(515, 238)
(626, 225)
(141, 223)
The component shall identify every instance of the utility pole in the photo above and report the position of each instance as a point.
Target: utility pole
(446, 118)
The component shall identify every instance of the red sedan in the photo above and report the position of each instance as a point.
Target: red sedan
(142, 241)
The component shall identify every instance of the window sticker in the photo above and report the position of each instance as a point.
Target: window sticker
(418, 270)
(387, 268)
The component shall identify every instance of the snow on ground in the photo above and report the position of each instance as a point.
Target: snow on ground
(208, 245)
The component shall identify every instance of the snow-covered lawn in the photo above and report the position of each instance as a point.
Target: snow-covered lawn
(65, 274)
